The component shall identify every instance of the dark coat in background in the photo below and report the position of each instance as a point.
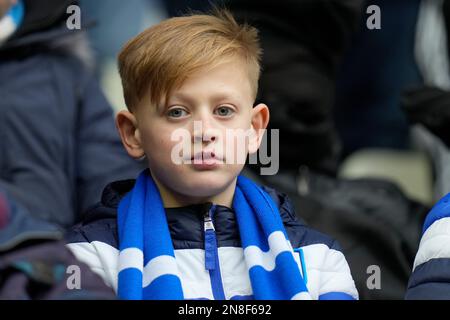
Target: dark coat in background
(378, 227)
(36, 265)
(59, 145)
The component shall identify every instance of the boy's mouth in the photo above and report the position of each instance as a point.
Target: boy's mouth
(206, 160)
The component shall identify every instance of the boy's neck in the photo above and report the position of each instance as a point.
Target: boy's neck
(173, 199)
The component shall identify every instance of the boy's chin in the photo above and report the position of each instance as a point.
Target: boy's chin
(206, 185)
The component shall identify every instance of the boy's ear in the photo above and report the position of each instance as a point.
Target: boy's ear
(260, 120)
(126, 123)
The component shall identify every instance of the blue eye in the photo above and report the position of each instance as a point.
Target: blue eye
(224, 111)
(176, 113)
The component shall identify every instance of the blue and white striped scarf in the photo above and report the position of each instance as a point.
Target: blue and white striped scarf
(11, 21)
(147, 264)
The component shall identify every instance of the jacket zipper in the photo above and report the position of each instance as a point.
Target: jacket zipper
(212, 255)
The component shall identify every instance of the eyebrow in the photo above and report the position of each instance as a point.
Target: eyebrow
(183, 97)
(224, 95)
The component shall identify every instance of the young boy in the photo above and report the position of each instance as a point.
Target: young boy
(190, 227)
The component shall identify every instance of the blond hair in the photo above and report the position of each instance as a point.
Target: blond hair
(163, 56)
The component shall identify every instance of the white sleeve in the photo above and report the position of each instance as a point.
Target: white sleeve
(336, 281)
(100, 257)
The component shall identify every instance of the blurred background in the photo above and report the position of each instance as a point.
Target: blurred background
(360, 97)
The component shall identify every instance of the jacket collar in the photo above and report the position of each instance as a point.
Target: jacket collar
(186, 223)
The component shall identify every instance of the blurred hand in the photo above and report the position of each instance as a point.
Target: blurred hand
(5, 5)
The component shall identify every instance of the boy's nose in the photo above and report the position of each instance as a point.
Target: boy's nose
(207, 135)
(204, 132)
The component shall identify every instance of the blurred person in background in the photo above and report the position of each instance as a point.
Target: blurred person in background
(59, 144)
(430, 278)
(116, 22)
(36, 265)
(428, 109)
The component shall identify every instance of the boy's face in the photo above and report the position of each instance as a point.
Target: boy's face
(211, 111)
